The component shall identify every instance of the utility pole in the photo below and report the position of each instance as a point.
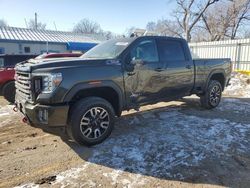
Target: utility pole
(26, 23)
(35, 20)
(55, 26)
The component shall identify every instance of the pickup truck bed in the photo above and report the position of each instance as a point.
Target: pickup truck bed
(205, 68)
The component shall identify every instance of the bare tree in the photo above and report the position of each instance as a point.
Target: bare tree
(240, 13)
(246, 34)
(87, 26)
(3, 23)
(165, 27)
(189, 13)
(32, 25)
(151, 26)
(226, 20)
(169, 28)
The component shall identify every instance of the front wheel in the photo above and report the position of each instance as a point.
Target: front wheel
(212, 97)
(91, 121)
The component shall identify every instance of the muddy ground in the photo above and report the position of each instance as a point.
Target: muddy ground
(175, 144)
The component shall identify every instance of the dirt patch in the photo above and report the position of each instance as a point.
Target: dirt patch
(47, 180)
(175, 144)
(169, 144)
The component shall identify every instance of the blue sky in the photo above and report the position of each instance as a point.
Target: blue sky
(113, 15)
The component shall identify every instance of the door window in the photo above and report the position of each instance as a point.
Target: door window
(171, 51)
(145, 50)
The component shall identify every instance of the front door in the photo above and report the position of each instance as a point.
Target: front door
(141, 79)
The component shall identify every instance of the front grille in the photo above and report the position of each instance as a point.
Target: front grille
(23, 85)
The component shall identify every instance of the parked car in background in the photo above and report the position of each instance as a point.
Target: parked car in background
(7, 72)
(86, 94)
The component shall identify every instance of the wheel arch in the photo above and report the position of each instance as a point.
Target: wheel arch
(218, 75)
(106, 90)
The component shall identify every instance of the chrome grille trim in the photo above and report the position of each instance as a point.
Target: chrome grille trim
(23, 85)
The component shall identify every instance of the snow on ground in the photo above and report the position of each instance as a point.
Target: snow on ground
(6, 110)
(171, 140)
(239, 85)
(169, 143)
(6, 115)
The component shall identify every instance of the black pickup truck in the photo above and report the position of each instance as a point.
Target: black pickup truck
(86, 94)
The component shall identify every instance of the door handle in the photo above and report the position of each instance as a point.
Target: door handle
(188, 66)
(131, 73)
(159, 69)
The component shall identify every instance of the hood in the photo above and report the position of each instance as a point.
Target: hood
(34, 64)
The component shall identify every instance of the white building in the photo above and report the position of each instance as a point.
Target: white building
(30, 41)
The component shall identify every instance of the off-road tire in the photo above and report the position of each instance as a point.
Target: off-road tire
(208, 100)
(74, 129)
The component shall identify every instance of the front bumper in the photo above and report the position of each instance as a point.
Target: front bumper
(40, 115)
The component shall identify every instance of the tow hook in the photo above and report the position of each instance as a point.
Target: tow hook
(25, 120)
(15, 109)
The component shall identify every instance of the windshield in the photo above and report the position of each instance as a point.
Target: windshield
(108, 50)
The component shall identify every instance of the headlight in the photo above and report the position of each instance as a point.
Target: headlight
(50, 81)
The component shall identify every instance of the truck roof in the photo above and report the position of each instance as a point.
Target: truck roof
(163, 37)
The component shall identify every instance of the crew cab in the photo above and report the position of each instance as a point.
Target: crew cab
(86, 94)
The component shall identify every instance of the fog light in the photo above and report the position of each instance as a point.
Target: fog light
(43, 115)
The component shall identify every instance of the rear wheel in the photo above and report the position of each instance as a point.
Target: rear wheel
(212, 97)
(9, 91)
(91, 121)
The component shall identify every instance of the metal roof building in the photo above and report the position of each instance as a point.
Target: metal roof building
(15, 40)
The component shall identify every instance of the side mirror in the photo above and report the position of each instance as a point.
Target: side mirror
(137, 62)
(130, 65)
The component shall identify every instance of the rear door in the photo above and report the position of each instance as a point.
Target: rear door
(177, 69)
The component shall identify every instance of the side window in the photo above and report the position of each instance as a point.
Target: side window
(171, 50)
(26, 49)
(1, 50)
(145, 50)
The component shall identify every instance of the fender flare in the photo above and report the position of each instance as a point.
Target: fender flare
(82, 86)
(217, 71)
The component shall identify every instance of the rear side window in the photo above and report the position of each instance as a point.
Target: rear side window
(171, 50)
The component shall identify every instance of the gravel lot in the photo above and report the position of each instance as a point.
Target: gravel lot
(175, 144)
